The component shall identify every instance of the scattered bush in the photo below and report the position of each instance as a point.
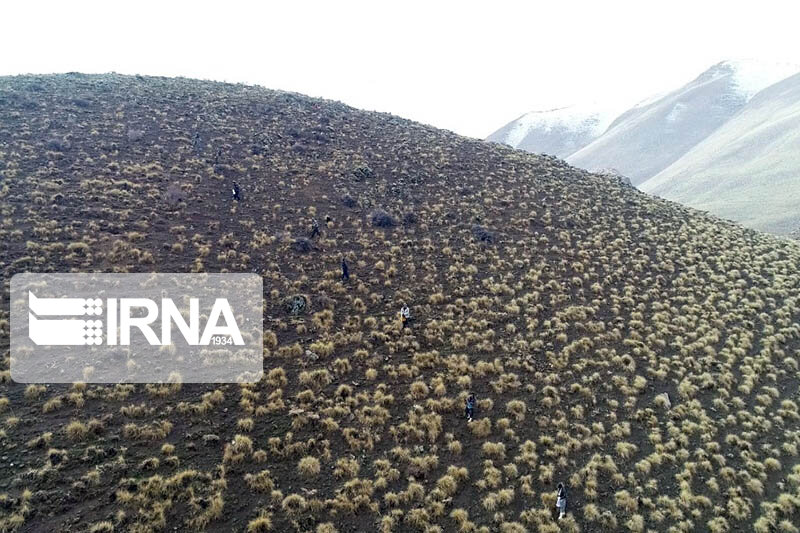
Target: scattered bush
(382, 219)
(308, 466)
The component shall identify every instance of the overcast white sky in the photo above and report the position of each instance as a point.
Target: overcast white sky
(465, 66)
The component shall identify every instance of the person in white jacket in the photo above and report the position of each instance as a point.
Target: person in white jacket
(405, 315)
(561, 501)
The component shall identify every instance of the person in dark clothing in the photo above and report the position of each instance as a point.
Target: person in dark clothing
(561, 501)
(470, 408)
(314, 228)
(196, 142)
(345, 270)
(237, 192)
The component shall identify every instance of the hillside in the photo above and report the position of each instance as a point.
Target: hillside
(648, 138)
(640, 352)
(559, 132)
(748, 169)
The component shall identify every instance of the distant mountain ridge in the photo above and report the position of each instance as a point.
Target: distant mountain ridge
(560, 131)
(747, 170)
(649, 140)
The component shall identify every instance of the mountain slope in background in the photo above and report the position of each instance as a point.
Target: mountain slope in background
(647, 139)
(748, 170)
(558, 132)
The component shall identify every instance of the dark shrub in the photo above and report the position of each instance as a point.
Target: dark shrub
(409, 218)
(297, 304)
(382, 219)
(302, 245)
(174, 195)
(482, 234)
(299, 148)
(363, 173)
(58, 145)
(349, 201)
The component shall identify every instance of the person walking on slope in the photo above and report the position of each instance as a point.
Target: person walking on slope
(237, 192)
(345, 271)
(405, 315)
(314, 228)
(470, 408)
(561, 501)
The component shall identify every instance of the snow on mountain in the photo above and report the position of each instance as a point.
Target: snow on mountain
(583, 118)
(747, 170)
(654, 134)
(559, 131)
(751, 76)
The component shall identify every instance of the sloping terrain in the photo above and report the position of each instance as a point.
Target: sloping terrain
(640, 352)
(559, 132)
(648, 138)
(749, 169)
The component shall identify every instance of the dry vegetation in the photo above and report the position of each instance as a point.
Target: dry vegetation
(568, 302)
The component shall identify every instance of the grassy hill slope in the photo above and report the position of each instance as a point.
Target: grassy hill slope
(568, 302)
